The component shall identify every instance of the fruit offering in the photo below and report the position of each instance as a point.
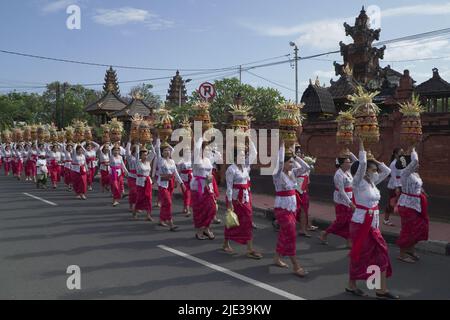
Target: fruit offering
(411, 127)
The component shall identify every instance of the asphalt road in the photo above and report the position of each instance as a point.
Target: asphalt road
(123, 259)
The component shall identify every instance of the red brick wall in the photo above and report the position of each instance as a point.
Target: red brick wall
(318, 139)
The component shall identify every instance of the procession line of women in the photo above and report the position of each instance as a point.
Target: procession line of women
(356, 195)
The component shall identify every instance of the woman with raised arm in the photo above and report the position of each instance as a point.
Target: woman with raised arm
(54, 159)
(67, 150)
(369, 249)
(90, 149)
(203, 199)
(167, 173)
(185, 169)
(285, 210)
(79, 172)
(144, 182)
(103, 155)
(239, 198)
(7, 158)
(302, 176)
(117, 169)
(412, 208)
(394, 187)
(20, 155)
(343, 200)
(132, 157)
(31, 163)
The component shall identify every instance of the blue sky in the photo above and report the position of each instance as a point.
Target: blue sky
(194, 34)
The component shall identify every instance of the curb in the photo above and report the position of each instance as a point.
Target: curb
(431, 246)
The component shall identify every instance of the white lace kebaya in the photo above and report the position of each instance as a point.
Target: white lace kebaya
(411, 184)
(366, 193)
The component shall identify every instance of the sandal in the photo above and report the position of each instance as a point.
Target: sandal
(388, 223)
(163, 224)
(301, 272)
(200, 237)
(324, 242)
(406, 259)
(254, 255)
(306, 235)
(413, 255)
(357, 292)
(387, 296)
(149, 218)
(210, 236)
(228, 250)
(281, 264)
(173, 228)
(313, 228)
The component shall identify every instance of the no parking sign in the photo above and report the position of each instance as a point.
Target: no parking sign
(207, 91)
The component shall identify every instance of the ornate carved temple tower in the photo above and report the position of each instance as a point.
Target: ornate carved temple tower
(360, 56)
(111, 83)
(176, 88)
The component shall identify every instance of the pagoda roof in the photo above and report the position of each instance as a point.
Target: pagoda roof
(434, 85)
(344, 86)
(135, 106)
(109, 102)
(317, 99)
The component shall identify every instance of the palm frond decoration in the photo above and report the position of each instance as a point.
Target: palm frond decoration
(362, 101)
(413, 107)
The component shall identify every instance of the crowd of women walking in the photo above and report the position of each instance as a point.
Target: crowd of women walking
(356, 195)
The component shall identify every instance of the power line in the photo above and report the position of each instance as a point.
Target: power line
(273, 82)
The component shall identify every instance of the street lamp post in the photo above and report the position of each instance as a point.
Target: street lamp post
(292, 44)
(179, 91)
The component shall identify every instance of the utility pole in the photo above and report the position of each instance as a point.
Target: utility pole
(63, 103)
(58, 93)
(292, 44)
(240, 74)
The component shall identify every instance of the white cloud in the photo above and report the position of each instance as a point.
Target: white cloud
(126, 15)
(412, 50)
(326, 33)
(54, 6)
(421, 9)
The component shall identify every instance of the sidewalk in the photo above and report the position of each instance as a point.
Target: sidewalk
(323, 215)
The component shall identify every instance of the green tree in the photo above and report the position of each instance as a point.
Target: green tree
(263, 100)
(148, 96)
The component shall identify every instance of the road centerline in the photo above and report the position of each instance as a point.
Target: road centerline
(233, 274)
(40, 199)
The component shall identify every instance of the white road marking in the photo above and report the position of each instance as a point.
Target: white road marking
(40, 199)
(233, 274)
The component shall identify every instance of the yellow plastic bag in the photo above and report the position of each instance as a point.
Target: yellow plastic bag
(231, 219)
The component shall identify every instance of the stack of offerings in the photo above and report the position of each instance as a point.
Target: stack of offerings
(69, 134)
(164, 125)
(134, 130)
(186, 129)
(18, 135)
(33, 133)
(202, 114)
(145, 132)
(411, 128)
(88, 133)
(40, 133)
(345, 127)
(289, 120)
(53, 134)
(61, 135)
(105, 133)
(241, 119)
(116, 130)
(78, 131)
(365, 113)
(6, 136)
(27, 133)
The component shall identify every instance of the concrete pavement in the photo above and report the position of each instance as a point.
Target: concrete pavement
(123, 259)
